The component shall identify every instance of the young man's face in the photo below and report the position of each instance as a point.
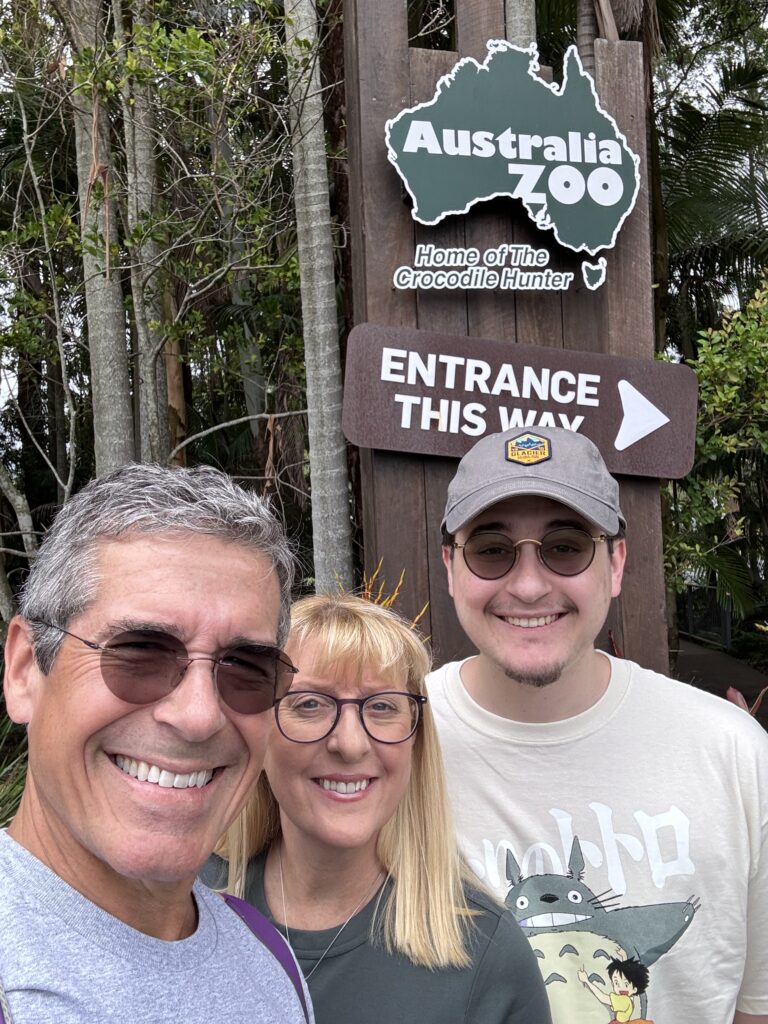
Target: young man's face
(84, 813)
(533, 624)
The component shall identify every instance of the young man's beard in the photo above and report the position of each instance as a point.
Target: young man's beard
(537, 680)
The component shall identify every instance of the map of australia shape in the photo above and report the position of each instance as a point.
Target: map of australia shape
(496, 129)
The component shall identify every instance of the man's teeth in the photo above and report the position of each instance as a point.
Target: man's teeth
(529, 623)
(344, 787)
(160, 777)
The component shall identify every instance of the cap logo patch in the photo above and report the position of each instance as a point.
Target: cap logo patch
(528, 449)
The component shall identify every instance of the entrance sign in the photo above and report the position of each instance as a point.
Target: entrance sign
(496, 129)
(404, 491)
(411, 391)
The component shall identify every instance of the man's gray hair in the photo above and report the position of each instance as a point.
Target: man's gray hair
(63, 579)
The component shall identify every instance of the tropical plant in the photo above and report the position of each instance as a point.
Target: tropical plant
(711, 99)
(13, 747)
(719, 513)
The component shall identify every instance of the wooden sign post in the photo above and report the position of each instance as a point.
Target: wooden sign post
(404, 494)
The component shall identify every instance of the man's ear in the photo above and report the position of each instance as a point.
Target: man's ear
(618, 558)
(22, 676)
(447, 553)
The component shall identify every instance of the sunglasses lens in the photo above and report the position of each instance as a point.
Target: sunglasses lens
(567, 552)
(251, 678)
(489, 555)
(143, 666)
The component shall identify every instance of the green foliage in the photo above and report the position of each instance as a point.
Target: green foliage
(719, 512)
(13, 746)
(751, 645)
(711, 98)
(732, 370)
(220, 222)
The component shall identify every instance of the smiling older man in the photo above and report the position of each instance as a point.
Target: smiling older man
(143, 663)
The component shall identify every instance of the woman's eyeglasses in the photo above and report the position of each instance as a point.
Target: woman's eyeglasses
(144, 666)
(304, 716)
(567, 551)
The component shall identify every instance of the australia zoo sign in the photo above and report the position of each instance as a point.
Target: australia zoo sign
(497, 129)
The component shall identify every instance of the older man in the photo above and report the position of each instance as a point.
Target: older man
(623, 815)
(144, 663)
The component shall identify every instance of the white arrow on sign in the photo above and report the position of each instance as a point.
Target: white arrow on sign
(641, 417)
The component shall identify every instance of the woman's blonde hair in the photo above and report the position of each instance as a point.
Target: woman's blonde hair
(426, 914)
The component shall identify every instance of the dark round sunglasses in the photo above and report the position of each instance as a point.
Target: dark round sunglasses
(566, 551)
(304, 716)
(143, 666)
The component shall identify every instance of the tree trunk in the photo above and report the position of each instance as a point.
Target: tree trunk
(141, 180)
(20, 506)
(521, 21)
(58, 421)
(327, 449)
(174, 375)
(112, 418)
(586, 33)
(7, 600)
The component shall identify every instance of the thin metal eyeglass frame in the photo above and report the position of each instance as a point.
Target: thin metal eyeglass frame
(600, 538)
(360, 702)
(183, 661)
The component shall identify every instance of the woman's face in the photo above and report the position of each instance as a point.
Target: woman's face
(307, 778)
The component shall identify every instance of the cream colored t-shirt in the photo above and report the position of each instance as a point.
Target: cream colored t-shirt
(644, 823)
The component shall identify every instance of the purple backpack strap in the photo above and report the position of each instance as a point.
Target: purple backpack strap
(271, 938)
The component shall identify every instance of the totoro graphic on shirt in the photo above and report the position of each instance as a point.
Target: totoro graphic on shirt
(595, 959)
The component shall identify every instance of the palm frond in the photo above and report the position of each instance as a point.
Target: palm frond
(734, 585)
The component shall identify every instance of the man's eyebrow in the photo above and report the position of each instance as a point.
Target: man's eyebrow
(249, 641)
(138, 626)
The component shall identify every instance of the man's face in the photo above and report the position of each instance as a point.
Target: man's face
(82, 811)
(534, 625)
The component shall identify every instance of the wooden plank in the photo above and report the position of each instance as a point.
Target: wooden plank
(477, 21)
(449, 642)
(378, 87)
(380, 221)
(437, 310)
(399, 535)
(539, 315)
(489, 314)
(638, 619)
(582, 310)
(627, 290)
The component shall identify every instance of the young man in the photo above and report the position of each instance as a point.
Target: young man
(144, 663)
(622, 814)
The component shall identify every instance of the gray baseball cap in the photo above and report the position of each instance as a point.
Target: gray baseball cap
(549, 462)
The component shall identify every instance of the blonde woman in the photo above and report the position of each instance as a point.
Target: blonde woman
(346, 842)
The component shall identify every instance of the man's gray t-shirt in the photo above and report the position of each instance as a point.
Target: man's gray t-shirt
(63, 960)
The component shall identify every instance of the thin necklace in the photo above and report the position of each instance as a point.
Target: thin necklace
(366, 897)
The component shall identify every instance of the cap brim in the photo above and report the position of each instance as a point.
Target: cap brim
(603, 516)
